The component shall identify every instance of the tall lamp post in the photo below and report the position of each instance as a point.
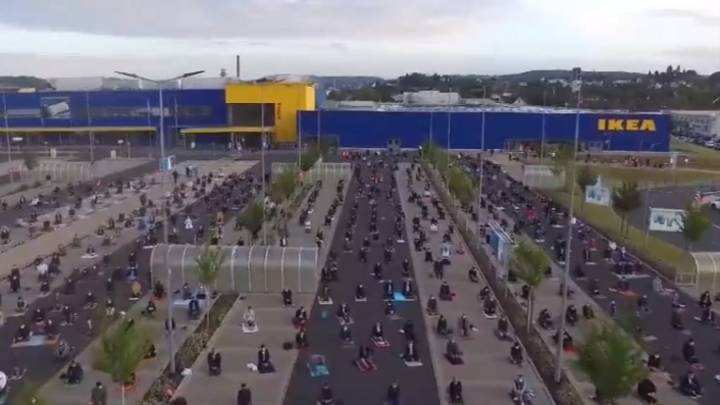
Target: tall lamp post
(7, 135)
(482, 165)
(160, 83)
(577, 87)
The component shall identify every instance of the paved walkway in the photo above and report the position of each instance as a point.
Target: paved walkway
(548, 295)
(275, 327)
(486, 374)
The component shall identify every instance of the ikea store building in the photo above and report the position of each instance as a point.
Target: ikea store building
(242, 112)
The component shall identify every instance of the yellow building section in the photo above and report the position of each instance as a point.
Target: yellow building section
(288, 98)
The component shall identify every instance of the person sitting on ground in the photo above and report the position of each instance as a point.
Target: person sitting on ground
(343, 312)
(588, 312)
(571, 315)
(676, 319)
(432, 306)
(360, 294)
(445, 293)
(544, 319)
(186, 292)
(647, 391)
(287, 297)
(688, 351)
(150, 308)
(244, 395)
(567, 340)
(464, 325)
(389, 289)
(654, 362)
(23, 334)
(301, 340)
(20, 305)
(484, 293)
(264, 364)
(90, 251)
(473, 275)
(408, 330)
(301, 316)
(249, 317)
(90, 300)
(73, 375)
(326, 396)
(452, 352)
(151, 352)
(490, 307)
(516, 353)
(455, 392)
(376, 334)
(214, 362)
(158, 290)
(442, 326)
(346, 334)
(364, 359)
(407, 289)
(503, 327)
(38, 315)
(389, 308)
(690, 386)
(194, 308)
(411, 355)
(325, 294)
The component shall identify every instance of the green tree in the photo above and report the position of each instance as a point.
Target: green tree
(626, 199)
(529, 262)
(613, 362)
(564, 162)
(695, 224)
(284, 185)
(252, 218)
(209, 263)
(460, 185)
(121, 350)
(30, 160)
(585, 177)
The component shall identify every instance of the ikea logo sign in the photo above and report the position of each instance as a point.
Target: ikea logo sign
(629, 125)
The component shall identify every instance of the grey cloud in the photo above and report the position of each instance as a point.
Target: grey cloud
(264, 19)
(694, 16)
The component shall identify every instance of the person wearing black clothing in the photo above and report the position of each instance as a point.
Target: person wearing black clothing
(690, 386)
(301, 340)
(688, 351)
(287, 297)
(264, 365)
(244, 395)
(647, 391)
(326, 395)
(654, 362)
(455, 392)
(214, 361)
(393, 394)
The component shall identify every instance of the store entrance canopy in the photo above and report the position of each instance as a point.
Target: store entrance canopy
(268, 269)
(707, 267)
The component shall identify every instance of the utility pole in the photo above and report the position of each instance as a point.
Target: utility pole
(571, 219)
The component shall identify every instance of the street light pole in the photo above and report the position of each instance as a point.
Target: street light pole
(262, 167)
(568, 247)
(482, 166)
(7, 135)
(165, 207)
(90, 132)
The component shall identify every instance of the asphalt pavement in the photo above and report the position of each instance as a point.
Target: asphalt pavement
(40, 361)
(658, 334)
(350, 385)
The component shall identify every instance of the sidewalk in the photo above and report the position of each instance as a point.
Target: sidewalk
(275, 327)
(486, 373)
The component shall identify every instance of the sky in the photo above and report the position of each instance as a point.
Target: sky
(162, 38)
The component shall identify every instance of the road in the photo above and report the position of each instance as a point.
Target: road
(417, 384)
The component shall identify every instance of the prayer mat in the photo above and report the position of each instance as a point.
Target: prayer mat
(455, 361)
(328, 302)
(247, 329)
(361, 299)
(399, 297)
(413, 363)
(90, 256)
(36, 340)
(381, 343)
(318, 370)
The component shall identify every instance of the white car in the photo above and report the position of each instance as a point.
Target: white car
(715, 204)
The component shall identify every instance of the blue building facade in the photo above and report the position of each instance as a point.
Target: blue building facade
(463, 129)
(132, 110)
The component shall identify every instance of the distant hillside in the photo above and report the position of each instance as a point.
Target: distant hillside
(19, 82)
(537, 75)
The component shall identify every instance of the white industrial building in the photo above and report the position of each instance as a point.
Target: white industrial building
(698, 125)
(430, 97)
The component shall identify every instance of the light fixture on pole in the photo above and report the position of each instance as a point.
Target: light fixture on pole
(482, 166)
(577, 88)
(165, 210)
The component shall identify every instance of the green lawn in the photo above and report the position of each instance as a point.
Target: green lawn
(665, 256)
(700, 156)
(649, 177)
